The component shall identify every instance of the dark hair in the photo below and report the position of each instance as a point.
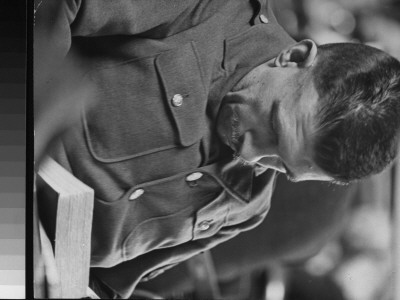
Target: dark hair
(358, 119)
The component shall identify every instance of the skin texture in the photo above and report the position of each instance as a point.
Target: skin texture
(268, 117)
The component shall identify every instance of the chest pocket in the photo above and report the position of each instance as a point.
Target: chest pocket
(146, 105)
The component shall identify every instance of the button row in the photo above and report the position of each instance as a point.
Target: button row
(191, 179)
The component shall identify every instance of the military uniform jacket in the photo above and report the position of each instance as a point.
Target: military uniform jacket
(165, 186)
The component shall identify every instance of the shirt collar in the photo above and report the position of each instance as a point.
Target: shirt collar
(237, 177)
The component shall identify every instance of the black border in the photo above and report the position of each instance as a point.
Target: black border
(29, 150)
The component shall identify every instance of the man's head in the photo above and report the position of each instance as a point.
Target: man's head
(358, 116)
(328, 113)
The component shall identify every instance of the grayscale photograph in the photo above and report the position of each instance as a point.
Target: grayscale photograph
(216, 149)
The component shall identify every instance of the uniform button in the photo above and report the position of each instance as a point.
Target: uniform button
(205, 225)
(136, 194)
(263, 19)
(194, 176)
(177, 100)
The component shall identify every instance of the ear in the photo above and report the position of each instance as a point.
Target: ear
(301, 54)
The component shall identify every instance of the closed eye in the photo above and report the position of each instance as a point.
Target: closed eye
(274, 122)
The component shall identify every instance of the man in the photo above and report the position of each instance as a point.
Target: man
(199, 105)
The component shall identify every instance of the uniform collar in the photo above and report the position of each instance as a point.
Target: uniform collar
(254, 46)
(251, 48)
(238, 177)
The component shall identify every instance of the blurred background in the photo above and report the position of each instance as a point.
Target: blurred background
(319, 241)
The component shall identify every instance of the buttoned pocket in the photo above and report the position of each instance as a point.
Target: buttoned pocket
(146, 105)
(152, 215)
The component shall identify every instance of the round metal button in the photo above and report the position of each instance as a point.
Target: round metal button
(194, 176)
(263, 19)
(136, 194)
(205, 225)
(177, 100)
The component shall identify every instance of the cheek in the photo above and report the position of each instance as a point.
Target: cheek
(263, 135)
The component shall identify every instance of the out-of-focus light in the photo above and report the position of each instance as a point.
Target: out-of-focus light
(275, 290)
(325, 261)
(320, 11)
(357, 5)
(342, 21)
(290, 21)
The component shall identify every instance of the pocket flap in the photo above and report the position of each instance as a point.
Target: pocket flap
(181, 76)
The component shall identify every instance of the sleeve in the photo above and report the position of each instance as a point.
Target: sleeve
(123, 278)
(126, 17)
(57, 21)
(52, 34)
